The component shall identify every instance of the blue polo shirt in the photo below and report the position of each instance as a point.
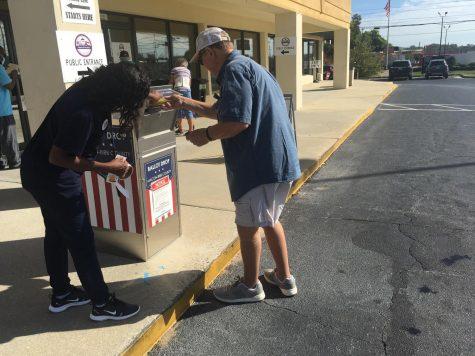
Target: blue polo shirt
(5, 98)
(265, 152)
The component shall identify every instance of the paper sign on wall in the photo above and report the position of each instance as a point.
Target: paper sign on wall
(79, 11)
(284, 46)
(79, 52)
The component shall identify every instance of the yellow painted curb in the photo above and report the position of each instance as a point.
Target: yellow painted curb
(148, 339)
(164, 322)
(309, 172)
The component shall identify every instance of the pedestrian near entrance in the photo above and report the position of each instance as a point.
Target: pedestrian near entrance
(8, 138)
(53, 162)
(260, 156)
(180, 77)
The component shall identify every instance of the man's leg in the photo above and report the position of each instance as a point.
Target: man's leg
(11, 149)
(251, 247)
(275, 237)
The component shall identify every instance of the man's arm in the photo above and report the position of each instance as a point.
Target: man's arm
(180, 102)
(220, 131)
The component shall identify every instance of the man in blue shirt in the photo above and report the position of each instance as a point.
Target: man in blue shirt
(8, 139)
(260, 156)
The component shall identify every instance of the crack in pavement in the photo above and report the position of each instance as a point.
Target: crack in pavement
(337, 330)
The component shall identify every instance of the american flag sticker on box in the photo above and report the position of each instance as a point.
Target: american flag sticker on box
(108, 208)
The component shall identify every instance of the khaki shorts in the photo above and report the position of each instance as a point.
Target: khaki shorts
(262, 206)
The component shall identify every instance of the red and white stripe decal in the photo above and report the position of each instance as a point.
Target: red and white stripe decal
(108, 209)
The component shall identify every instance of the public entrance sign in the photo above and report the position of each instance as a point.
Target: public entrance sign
(79, 11)
(284, 46)
(80, 53)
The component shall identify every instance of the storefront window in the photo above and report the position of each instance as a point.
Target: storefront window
(247, 43)
(270, 46)
(309, 54)
(183, 44)
(153, 53)
(251, 46)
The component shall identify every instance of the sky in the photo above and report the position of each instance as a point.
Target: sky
(420, 11)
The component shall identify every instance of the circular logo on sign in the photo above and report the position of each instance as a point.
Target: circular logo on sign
(285, 41)
(83, 45)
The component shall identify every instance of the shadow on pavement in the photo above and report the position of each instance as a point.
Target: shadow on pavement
(399, 171)
(16, 198)
(25, 294)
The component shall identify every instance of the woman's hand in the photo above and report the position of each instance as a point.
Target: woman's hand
(120, 167)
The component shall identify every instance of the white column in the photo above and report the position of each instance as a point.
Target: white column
(289, 67)
(264, 50)
(321, 56)
(341, 59)
(35, 24)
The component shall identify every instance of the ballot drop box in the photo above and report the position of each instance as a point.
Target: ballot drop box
(140, 215)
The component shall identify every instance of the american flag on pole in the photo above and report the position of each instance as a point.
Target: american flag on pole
(109, 209)
(388, 8)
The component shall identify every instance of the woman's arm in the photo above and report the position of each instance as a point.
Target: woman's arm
(61, 158)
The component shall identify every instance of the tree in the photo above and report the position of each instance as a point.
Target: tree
(355, 30)
(377, 42)
(362, 48)
(365, 61)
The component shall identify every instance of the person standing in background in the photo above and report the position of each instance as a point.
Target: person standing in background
(8, 140)
(181, 78)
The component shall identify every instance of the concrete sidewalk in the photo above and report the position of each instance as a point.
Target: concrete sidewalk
(165, 284)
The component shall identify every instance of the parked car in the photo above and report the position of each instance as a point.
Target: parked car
(437, 68)
(400, 69)
(327, 72)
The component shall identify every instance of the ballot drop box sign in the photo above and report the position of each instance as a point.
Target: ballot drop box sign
(80, 53)
(160, 187)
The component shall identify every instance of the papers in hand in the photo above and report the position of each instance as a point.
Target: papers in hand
(114, 179)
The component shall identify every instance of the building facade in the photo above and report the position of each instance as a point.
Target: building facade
(285, 36)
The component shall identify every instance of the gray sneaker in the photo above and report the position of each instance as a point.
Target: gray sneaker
(240, 293)
(288, 287)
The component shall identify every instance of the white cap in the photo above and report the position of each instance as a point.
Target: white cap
(208, 37)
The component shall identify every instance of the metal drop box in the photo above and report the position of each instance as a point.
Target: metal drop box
(139, 216)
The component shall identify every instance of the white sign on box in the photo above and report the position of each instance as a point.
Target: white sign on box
(79, 52)
(284, 46)
(78, 11)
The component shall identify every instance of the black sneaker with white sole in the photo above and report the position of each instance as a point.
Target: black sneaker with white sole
(75, 298)
(114, 309)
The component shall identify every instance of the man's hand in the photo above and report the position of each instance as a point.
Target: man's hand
(197, 137)
(173, 102)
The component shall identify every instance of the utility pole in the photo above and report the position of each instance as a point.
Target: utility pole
(445, 43)
(388, 14)
(441, 29)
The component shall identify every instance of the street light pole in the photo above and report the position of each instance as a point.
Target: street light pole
(445, 43)
(387, 39)
(441, 29)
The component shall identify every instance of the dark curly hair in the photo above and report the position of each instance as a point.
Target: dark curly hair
(119, 87)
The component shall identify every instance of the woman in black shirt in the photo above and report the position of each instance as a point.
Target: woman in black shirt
(61, 150)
